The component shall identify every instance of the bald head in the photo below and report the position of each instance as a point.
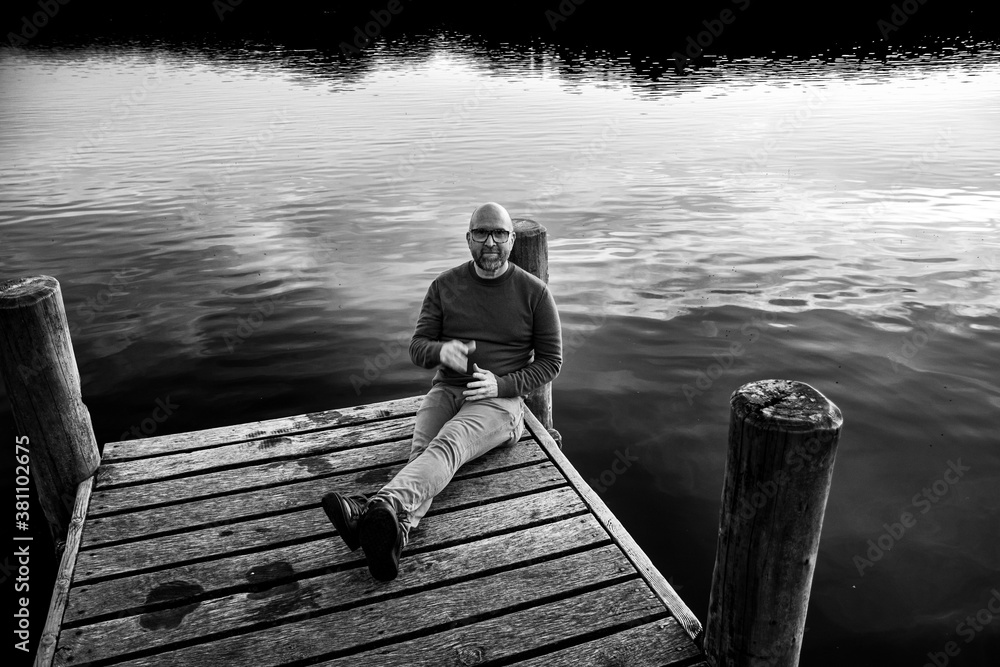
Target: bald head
(489, 223)
(491, 215)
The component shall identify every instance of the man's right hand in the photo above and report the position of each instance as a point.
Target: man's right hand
(455, 355)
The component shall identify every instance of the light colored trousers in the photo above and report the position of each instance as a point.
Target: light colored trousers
(449, 433)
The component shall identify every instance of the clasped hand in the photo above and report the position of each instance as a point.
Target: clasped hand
(455, 355)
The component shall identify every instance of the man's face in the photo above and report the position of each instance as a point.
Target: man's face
(488, 254)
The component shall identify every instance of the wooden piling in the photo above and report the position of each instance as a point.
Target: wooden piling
(531, 253)
(782, 443)
(43, 383)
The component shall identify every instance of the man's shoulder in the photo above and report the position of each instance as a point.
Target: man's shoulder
(527, 280)
(455, 273)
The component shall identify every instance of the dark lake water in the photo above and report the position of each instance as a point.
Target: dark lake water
(242, 231)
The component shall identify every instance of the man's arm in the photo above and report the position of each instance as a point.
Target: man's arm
(425, 346)
(547, 343)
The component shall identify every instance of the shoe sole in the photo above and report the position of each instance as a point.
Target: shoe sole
(378, 538)
(335, 513)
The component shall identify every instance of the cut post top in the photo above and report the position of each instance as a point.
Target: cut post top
(22, 292)
(526, 228)
(787, 405)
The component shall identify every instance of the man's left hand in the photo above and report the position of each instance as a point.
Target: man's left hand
(484, 386)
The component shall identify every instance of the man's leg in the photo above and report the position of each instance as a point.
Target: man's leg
(478, 427)
(439, 405)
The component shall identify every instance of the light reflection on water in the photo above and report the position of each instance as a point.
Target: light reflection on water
(854, 204)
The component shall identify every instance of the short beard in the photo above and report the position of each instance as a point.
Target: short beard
(491, 262)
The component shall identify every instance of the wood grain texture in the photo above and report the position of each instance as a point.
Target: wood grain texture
(64, 577)
(240, 536)
(531, 253)
(225, 510)
(272, 473)
(326, 551)
(654, 644)
(43, 386)
(351, 629)
(516, 633)
(611, 523)
(240, 612)
(783, 439)
(183, 442)
(253, 451)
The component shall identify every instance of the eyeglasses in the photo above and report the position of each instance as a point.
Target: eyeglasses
(499, 235)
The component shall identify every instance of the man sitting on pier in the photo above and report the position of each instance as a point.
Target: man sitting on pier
(492, 331)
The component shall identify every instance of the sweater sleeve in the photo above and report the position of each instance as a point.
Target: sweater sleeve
(425, 346)
(547, 343)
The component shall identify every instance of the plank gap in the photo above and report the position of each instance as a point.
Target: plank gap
(583, 638)
(236, 466)
(305, 431)
(309, 538)
(299, 508)
(361, 648)
(284, 483)
(318, 572)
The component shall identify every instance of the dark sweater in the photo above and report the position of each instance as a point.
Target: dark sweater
(513, 320)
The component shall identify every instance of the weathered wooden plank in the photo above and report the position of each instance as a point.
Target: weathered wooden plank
(64, 577)
(327, 592)
(519, 632)
(316, 636)
(245, 453)
(655, 644)
(272, 473)
(213, 577)
(182, 442)
(259, 532)
(226, 510)
(305, 526)
(611, 523)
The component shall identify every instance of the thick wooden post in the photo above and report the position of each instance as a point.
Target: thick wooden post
(531, 253)
(782, 443)
(43, 383)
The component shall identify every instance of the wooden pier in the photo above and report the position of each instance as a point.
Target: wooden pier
(211, 548)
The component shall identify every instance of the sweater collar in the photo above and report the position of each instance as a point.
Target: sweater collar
(491, 281)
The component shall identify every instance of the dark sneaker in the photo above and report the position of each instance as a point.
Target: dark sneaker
(344, 513)
(381, 538)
